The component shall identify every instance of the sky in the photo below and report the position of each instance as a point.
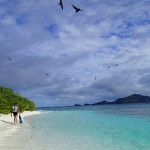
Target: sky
(100, 53)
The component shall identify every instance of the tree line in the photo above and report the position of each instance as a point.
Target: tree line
(8, 98)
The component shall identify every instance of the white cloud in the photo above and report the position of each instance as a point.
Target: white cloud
(74, 48)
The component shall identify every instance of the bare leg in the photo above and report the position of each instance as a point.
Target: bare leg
(15, 119)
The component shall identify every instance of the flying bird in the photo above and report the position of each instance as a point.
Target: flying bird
(117, 65)
(95, 78)
(9, 58)
(108, 67)
(127, 50)
(46, 74)
(61, 4)
(76, 9)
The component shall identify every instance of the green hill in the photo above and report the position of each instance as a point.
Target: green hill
(8, 98)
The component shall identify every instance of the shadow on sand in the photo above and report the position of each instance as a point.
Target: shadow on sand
(7, 122)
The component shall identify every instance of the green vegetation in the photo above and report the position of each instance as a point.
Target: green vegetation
(8, 98)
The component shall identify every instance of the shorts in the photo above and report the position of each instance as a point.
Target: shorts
(15, 113)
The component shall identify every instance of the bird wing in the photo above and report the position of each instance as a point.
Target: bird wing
(74, 7)
(61, 5)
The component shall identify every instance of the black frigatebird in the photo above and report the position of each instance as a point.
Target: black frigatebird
(117, 65)
(61, 4)
(9, 58)
(127, 50)
(76, 9)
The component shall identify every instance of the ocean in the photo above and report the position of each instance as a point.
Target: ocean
(105, 127)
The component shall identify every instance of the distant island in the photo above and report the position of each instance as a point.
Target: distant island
(134, 98)
(8, 98)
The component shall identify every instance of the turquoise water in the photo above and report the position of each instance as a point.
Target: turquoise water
(116, 127)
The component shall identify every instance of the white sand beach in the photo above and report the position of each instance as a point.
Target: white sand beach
(15, 137)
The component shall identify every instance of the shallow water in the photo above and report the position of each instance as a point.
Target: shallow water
(111, 127)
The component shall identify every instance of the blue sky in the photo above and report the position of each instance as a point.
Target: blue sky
(74, 48)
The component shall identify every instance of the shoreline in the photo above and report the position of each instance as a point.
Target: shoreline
(15, 137)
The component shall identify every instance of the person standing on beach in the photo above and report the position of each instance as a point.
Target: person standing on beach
(15, 111)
